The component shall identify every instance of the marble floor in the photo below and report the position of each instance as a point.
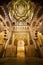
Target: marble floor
(21, 61)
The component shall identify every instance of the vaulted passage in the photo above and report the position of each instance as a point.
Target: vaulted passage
(21, 48)
(21, 33)
(21, 29)
(21, 45)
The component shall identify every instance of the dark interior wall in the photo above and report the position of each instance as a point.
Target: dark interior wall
(38, 1)
(6, 1)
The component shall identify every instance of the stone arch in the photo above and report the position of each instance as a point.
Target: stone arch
(17, 39)
(24, 42)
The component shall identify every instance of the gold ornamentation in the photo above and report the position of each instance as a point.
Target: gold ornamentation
(21, 10)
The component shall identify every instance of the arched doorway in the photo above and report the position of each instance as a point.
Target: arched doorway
(20, 47)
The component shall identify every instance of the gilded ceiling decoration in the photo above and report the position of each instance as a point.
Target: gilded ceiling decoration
(21, 10)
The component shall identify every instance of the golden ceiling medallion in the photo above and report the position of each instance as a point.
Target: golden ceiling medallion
(21, 10)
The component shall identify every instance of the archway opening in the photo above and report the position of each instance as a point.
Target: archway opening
(20, 48)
